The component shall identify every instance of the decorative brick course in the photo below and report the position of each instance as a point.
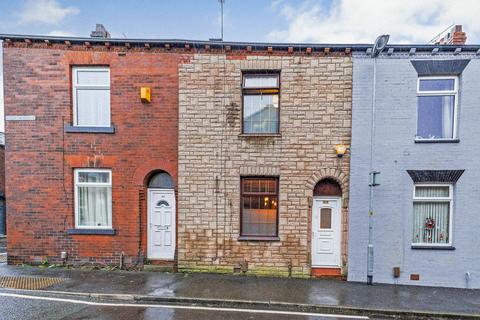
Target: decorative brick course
(315, 114)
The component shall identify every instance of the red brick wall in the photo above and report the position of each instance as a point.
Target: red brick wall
(41, 156)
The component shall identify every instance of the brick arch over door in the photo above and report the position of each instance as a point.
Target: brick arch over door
(140, 180)
(144, 172)
(329, 173)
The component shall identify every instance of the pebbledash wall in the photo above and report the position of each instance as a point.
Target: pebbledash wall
(315, 114)
(395, 152)
(41, 155)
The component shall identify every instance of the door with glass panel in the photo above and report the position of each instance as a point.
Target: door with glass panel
(326, 232)
(161, 224)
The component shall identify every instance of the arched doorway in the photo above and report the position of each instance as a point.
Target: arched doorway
(327, 224)
(161, 218)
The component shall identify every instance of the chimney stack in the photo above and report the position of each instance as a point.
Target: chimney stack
(454, 36)
(100, 32)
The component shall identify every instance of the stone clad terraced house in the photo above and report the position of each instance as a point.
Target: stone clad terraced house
(260, 186)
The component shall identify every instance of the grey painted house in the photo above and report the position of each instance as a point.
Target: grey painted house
(426, 210)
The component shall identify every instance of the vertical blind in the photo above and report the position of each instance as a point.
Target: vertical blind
(260, 113)
(431, 215)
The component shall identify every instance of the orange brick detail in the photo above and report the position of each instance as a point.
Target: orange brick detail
(326, 272)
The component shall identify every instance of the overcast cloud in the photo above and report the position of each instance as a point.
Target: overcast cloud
(45, 12)
(407, 21)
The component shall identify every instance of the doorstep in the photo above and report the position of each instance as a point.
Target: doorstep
(320, 272)
(160, 265)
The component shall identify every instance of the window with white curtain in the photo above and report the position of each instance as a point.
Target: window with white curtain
(432, 215)
(91, 96)
(93, 198)
(436, 108)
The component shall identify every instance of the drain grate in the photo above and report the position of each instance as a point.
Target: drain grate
(31, 283)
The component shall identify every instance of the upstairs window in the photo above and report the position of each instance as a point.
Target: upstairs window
(437, 108)
(261, 103)
(91, 96)
(432, 215)
(93, 198)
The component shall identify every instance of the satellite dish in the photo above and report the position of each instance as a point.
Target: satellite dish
(380, 44)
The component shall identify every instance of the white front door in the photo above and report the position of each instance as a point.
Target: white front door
(326, 232)
(161, 224)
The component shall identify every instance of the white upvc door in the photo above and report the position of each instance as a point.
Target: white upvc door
(326, 232)
(161, 224)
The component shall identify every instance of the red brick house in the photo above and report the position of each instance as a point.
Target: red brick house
(78, 177)
(97, 172)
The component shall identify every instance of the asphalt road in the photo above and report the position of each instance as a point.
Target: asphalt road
(28, 307)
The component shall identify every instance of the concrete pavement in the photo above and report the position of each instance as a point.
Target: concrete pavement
(317, 295)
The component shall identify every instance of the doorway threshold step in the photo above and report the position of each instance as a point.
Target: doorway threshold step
(159, 266)
(326, 272)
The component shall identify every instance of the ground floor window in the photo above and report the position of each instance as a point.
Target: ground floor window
(93, 198)
(432, 214)
(259, 207)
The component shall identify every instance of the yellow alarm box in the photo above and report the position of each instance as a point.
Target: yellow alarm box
(145, 94)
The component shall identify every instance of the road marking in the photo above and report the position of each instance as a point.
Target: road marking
(166, 306)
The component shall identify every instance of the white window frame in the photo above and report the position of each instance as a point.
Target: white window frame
(261, 75)
(90, 184)
(436, 199)
(76, 86)
(433, 93)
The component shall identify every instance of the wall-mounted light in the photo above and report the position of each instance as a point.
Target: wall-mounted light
(340, 150)
(145, 94)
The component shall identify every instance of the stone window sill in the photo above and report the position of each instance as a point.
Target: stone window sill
(437, 141)
(254, 238)
(104, 232)
(260, 135)
(76, 129)
(427, 247)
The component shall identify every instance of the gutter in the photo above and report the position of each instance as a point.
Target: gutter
(216, 44)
